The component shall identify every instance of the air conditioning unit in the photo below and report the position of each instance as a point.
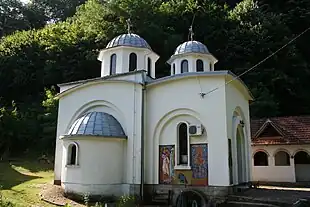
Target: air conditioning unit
(195, 130)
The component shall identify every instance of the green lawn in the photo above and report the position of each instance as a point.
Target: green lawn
(22, 182)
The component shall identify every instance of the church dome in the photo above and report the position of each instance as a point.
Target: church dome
(191, 47)
(96, 124)
(131, 40)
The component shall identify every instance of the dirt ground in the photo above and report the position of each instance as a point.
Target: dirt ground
(54, 195)
(264, 194)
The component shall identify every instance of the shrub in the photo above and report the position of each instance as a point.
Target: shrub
(126, 201)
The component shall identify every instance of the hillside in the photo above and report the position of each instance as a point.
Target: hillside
(44, 44)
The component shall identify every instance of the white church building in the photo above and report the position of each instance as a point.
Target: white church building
(128, 132)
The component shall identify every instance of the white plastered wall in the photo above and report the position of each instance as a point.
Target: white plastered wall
(122, 100)
(274, 173)
(169, 103)
(238, 105)
(192, 58)
(122, 59)
(96, 172)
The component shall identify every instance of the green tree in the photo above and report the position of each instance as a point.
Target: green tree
(258, 34)
(9, 125)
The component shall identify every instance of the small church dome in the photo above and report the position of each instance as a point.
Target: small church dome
(96, 124)
(131, 40)
(191, 47)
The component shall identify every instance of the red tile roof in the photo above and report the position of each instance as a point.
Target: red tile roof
(292, 130)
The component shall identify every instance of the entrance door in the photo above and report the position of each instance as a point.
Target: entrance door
(230, 162)
(240, 152)
(302, 166)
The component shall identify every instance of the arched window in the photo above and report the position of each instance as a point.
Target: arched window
(132, 61)
(302, 157)
(72, 154)
(149, 66)
(199, 66)
(184, 66)
(173, 69)
(113, 64)
(282, 158)
(260, 159)
(183, 144)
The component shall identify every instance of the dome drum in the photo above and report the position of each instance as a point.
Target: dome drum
(191, 56)
(126, 53)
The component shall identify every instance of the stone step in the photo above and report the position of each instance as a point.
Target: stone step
(161, 191)
(249, 204)
(161, 197)
(245, 199)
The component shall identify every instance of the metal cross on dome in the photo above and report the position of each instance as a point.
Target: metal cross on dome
(129, 25)
(191, 33)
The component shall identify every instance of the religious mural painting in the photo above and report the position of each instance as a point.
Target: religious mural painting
(198, 175)
(183, 177)
(199, 162)
(166, 164)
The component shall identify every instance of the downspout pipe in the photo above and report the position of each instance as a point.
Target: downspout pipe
(142, 135)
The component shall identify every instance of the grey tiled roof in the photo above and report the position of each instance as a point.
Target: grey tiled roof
(191, 47)
(97, 124)
(131, 40)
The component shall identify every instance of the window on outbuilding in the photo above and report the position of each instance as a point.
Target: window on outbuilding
(183, 144)
(282, 158)
(199, 66)
(184, 66)
(132, 61)
(72, 154)
(302, 157)
(173, 69)
(260, 159)
(149, 66)
(113, 64)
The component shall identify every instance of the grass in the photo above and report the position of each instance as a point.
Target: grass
(22, 181)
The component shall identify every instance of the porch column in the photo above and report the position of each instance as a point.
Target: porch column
(292, 165)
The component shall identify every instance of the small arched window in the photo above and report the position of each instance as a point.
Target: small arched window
(173, 69)
(282, 158)
(184, 66)
(183, 144)
(113, 64)
(132, 61)
(260, 159)
(72, 154)
(149, 66)
(199, 66)
(302, 157)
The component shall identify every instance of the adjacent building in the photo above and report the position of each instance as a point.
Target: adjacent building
(281, 149)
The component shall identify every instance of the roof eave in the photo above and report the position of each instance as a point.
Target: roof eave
(73, 136)
(174, 56)
(126, 46)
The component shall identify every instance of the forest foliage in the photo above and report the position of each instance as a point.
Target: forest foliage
(44, 43)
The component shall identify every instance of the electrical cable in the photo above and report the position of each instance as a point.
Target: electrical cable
(259, 63)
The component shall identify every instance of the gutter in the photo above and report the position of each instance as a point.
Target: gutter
(142, 135)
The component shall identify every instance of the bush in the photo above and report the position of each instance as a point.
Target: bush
(126, 201)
